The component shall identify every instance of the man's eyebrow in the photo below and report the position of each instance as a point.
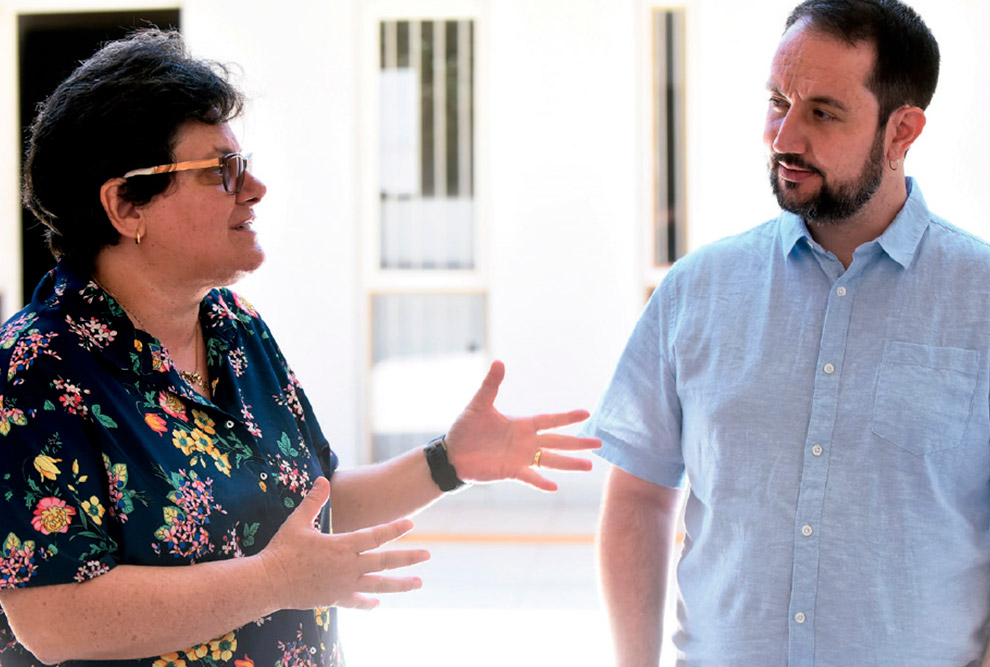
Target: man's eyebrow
(827, 100)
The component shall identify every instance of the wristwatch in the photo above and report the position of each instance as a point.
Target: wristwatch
(440, 469)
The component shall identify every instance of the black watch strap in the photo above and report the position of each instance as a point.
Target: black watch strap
(440, 469)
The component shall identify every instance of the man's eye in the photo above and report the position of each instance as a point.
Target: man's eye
(823, 115)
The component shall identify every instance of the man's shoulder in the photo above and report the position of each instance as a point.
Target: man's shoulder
(947, 237)
(739, 252)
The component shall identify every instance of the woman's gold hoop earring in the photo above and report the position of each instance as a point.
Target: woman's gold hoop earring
(137, 239)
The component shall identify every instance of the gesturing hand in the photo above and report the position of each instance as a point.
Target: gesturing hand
(485, 446)
(308, 569)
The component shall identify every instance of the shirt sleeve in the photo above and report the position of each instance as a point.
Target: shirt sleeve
(639, 416)
(52, 476)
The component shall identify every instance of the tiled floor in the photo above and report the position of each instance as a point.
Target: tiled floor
(511, 581)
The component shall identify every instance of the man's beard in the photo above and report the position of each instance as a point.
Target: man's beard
(832, 203)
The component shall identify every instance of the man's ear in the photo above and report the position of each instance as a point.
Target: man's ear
(126, 218)
(903, 127)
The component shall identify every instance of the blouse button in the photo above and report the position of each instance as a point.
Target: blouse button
(230, 423)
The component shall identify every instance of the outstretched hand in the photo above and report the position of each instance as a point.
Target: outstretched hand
(308, 569)
(484, 445)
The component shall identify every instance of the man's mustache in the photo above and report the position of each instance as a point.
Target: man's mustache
(794, 160)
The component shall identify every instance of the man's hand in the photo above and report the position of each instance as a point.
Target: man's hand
(308, 569)
(486, 446)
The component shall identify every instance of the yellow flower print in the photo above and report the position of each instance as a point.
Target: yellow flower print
(169, 660)
(94, 509)
(221, 462)
(203, 442)
(224, 647)
(181, 439)
(204, 423)
(196, 652)
(138, 345)
(45, 465)
(322, 617)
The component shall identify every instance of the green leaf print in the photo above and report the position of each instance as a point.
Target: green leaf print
(286, 445)
(250, 531)
(102, 418)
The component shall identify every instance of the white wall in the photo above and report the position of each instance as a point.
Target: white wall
(563, 176)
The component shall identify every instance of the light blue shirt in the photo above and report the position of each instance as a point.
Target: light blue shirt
(834, 427)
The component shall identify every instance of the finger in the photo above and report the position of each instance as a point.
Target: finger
(532, 478)
(554, 461)
(377, 561)
(556, 419)
(567, 442)
(355, 601)
(377, 584)
(314, 501)
(485, 396)
(367, 539)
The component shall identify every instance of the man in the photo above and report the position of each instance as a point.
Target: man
(821, 383)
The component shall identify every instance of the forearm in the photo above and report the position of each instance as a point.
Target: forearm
(382, 492)
(137, 611)
(635, 541)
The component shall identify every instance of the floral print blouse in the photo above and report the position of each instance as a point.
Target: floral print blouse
(109, 458)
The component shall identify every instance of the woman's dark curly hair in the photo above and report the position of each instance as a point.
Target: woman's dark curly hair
(119, 110)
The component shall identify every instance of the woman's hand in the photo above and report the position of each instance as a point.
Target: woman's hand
(484, 445)
(308, 569)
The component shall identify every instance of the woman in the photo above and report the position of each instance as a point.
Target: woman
(163, 470)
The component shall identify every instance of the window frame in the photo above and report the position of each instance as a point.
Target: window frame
(374, 280)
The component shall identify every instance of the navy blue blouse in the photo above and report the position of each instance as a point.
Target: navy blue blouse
(110, 458)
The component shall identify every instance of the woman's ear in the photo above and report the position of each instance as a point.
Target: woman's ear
(125, 217)
(904, 126)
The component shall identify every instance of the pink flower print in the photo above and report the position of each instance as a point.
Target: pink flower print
(16, 562)
(28, 348)
(244, 305)
(72, 398)
(52, 515)
(173, 405)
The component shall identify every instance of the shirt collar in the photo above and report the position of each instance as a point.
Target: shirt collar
(900, 240)
(110, 332)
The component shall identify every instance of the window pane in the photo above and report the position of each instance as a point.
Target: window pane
(428, 360)
(427, 325)
(427, 145)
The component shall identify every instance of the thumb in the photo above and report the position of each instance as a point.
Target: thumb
(485, 396)
(314, 501)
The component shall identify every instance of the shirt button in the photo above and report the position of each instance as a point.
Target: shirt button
(829, 369)
(800, 617)
(807, 530)
(817, 450)
(230, 424)
(841, 291)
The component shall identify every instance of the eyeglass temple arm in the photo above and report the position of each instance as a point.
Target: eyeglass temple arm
(176, 166)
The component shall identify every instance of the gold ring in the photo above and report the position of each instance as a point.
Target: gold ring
(536, 457)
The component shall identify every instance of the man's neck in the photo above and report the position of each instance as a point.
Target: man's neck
(842, 237)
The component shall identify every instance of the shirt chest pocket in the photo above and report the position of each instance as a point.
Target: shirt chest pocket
(924, 396)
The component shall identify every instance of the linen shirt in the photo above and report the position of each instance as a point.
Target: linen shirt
(109, 458)
(834, 426)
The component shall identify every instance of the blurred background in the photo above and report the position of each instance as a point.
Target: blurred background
(456, 181)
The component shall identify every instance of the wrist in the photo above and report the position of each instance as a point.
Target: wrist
(441, 470)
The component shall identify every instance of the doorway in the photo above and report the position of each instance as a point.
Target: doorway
(50, 47)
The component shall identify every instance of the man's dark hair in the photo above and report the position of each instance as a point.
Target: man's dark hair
(120, 110)
(907, 57)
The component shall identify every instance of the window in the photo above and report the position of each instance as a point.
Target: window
(667, 120)
(428, 305)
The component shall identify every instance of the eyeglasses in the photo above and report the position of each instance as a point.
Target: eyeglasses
(232, 168)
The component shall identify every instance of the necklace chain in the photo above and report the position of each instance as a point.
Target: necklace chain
(191, 377)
